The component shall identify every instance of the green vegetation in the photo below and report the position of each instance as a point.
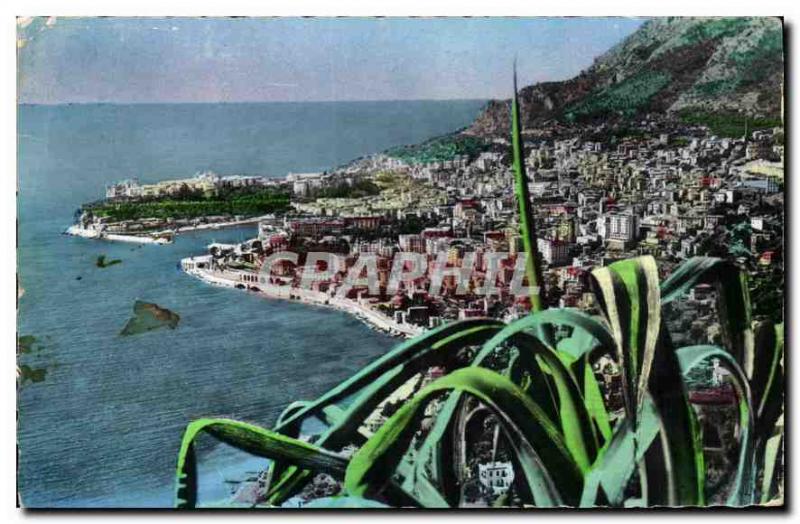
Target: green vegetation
(749, 66)
(536, 379)
(714, 28)
(717, 87)
(727, 124)
(567, 448)
(533, 271)
(765, 55)
(26, 343)
(249, 204)
(29, 374)
(625, 98)
(440, 149)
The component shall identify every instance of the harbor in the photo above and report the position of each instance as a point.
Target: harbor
(98, 232)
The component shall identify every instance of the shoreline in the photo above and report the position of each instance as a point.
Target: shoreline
(243, 280)
(153, 238)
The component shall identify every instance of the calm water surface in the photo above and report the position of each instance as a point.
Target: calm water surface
(103, 428)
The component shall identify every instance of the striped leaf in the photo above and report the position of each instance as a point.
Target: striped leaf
(547, 466)
(674, 469)
(743, 491)
(629, 295)
(733, 301)
(252, 439)
(382, 382)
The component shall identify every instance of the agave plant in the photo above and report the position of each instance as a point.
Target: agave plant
(568, 447)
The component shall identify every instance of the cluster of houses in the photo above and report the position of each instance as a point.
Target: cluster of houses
(666, 189)
(206, 183)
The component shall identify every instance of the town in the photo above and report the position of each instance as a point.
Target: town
(662, 188)
(666, 189)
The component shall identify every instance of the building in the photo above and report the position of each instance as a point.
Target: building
(496, 476)
(304, 183)
(125, 189)
(618, 229)
(411, 243)
(554, 252)
(316, 228)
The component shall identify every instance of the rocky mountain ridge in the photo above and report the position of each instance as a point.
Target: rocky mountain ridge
(669, 65)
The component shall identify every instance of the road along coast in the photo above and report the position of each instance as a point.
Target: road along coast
(249, 281)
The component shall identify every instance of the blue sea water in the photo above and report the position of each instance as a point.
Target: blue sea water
(103, 428)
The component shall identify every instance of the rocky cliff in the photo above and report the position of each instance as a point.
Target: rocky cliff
(676, 65)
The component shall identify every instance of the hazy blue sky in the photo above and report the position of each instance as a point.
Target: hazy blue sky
(247, 59)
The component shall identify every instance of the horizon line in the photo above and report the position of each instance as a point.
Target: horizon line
(232, 102)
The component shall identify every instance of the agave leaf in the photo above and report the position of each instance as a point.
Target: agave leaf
(773, 456)
(629, 294)
(252, 439)
(593, 398)
(696, 270)
(768, 378)
(277, 467)
(630, 298)
(743, 491)
(576, 421)
(674, 473)
(593, 339)
(442, 464)
(590, 335)
(543, 392)
(291, 410)
(614, 465)
(419, 487)
(398, 355)
(551, 474)
(527, 224)
(733, 301)
(381, 384)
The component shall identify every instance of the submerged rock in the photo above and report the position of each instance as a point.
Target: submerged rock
(102, 262)
(25, 343)
(26, 373)
(148, 317)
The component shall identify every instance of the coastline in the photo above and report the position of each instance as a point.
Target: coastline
(154, 238)
(243, 280)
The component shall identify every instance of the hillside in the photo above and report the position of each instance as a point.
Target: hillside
(677, 65)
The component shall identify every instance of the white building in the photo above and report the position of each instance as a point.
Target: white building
(496, 476)
(125, 189)
(614, 226)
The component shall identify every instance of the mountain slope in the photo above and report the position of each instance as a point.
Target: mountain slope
(715, 65)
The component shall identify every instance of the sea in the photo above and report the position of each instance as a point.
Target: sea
(102, 429)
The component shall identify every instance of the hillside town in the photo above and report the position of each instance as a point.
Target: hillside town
(667, 189)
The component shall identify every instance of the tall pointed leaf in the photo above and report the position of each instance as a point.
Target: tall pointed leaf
(527, 225)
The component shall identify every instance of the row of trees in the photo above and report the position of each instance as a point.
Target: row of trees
(256, 203)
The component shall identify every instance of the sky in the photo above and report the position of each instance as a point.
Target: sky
(156, 60)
